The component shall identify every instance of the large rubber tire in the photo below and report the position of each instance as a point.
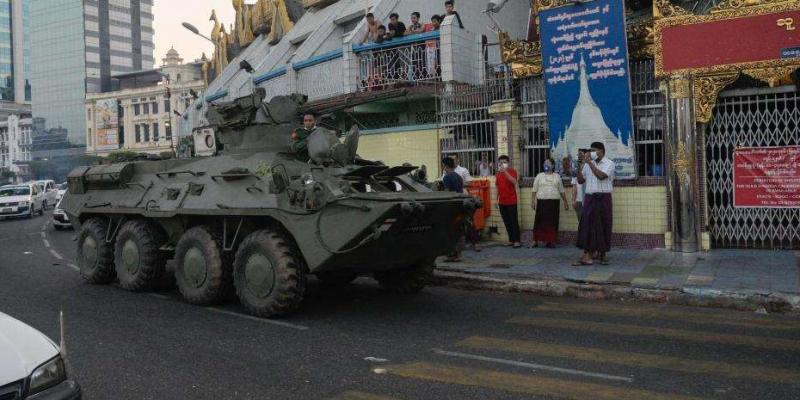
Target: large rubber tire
(268, 274)
(139, 262)
(31, 212)
(410, 280)
(202, 271)
(95, 256)
(44, 207)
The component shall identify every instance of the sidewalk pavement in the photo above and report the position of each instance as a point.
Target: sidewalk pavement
(763, 280)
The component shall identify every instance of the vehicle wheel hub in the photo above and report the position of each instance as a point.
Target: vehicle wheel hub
(259, 275)
(130, 256)
(89, 251)
(195, 268)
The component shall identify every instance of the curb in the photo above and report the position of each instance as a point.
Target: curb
(698, 297)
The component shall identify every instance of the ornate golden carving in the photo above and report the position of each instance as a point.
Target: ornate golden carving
(665, 9)
(680, 87)
(706, 89)
(786, 23)
(641, 40)
(525, 58)
(771, 76)
(682, 162)
(547, 4)
(725, 5)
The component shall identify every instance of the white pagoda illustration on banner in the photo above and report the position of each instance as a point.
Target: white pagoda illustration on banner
(588, 126)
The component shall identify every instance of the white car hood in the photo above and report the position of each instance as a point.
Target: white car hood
(14, 199)
(22, 349)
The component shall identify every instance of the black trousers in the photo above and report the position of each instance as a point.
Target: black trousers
(509, 214)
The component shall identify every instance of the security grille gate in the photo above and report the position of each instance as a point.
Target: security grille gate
(750, 118)
(648, 122)
(467, 129)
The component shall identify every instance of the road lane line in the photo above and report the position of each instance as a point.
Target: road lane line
(264, 320)
(44, 235)
(75, 267)
(730, 370)
(46, 243)
(56, 255)
(666, 333)
(535, 366)
(524, 383)
(649, 312)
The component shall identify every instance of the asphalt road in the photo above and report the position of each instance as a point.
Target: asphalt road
(362, 343)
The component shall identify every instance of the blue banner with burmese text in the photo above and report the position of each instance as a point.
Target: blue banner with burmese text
(587, 81)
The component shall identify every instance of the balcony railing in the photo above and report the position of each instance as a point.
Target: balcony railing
(409, 60)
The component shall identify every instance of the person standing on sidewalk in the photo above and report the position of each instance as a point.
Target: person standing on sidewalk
(547, 188)
(594, 229)
(452, 182)
(506, 182)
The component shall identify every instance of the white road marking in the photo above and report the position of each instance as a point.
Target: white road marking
(264, 320)
(56, 255)
(44, 227)
(75, 267)
(46, 243)
(376, 359)
(534, 366)
(44, 235)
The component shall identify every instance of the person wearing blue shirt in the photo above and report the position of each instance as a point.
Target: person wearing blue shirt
(451, 180)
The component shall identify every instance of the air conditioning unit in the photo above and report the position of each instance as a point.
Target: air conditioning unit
(205, 142)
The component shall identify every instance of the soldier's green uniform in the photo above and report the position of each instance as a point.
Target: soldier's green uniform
(299, 146)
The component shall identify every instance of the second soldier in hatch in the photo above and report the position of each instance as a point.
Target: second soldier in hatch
(299, 145)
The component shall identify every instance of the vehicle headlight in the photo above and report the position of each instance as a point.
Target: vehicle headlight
(24, 203)
(47, 375)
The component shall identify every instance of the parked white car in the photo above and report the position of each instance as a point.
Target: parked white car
(50, 192)
(21, 201)
(62, 188)
(31, 365)
(60, 218)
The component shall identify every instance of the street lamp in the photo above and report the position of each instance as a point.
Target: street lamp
(193, 29)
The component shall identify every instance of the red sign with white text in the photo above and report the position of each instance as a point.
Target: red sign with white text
(767, 177)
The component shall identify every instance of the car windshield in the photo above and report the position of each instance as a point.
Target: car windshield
(15, 191)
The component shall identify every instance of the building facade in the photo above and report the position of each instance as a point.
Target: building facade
(16, 139)
(145, 111)
(76, 47)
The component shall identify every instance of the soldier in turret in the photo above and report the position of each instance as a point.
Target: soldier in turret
(299, 145)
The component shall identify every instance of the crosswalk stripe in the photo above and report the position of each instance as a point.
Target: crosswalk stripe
(542, 349)
(357, 395)
(524, 383)
(745, 320)
(668, 333)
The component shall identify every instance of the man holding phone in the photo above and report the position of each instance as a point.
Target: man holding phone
(594, 229)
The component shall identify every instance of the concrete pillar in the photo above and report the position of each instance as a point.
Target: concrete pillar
(508, 128)
(680, 143)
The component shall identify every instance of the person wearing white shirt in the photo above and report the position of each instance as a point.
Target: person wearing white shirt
(466, 177)
(472, 234)
(594, 229)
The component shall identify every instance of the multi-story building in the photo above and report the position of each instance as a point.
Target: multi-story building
(15, 145)
(76, 48)
(15, 87)
(144, 111)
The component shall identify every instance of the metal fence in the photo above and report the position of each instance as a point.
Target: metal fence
(648, 122)
(413, 63)
(749, 118)
(466, 128)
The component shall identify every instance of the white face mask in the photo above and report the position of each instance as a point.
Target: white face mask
(593, 155)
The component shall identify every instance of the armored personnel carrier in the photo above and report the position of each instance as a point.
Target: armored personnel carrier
(254, 217)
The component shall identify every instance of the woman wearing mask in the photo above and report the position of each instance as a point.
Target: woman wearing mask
(547, 189)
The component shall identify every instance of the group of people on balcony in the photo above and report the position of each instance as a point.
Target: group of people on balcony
(593, 184)
(378, 33)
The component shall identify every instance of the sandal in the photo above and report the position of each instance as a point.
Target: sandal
(516, 245)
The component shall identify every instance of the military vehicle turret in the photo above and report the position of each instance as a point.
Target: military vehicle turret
(251, 216)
